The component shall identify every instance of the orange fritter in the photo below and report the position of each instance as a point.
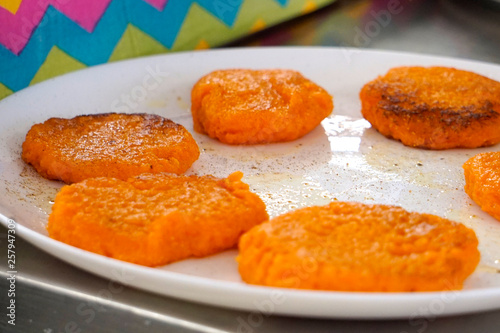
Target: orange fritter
(482, 181)
(355, 247)
(242, 106)
(155, 219)
(434, 108)
(108, 145)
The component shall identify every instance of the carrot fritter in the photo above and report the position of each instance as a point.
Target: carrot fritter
(355, 247)
(242, 106)
(482, 181)
(434, 108)
(108, 145)
(155, 219)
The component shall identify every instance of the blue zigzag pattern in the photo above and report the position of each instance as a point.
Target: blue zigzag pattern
(16, 71)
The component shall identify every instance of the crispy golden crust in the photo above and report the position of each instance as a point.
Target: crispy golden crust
(108, 145)
(242, 106)
(154, 219)
(355, 247)
(434, 108)
(482, 181)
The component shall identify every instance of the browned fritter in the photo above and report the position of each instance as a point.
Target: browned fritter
(108, 145)
(434, 107)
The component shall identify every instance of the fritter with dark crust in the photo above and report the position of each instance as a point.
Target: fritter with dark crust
(434, 108)
(108, 145)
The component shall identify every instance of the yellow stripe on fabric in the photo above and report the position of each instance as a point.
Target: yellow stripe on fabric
(11, 5)
(310, 6)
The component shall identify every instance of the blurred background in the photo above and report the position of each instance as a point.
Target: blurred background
(457, 28)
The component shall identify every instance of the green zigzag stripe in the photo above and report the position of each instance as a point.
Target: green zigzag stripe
(4, 91)
(57, 63)
(198, 21)
(195, 27)
(135, 43)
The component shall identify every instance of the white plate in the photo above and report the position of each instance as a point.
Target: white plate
(343, 159)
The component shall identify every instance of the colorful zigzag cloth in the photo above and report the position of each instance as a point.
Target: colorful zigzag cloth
(40, 39)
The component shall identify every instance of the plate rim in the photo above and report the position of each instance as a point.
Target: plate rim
(419, 299)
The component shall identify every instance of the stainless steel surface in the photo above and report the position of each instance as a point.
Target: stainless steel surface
(52, 296)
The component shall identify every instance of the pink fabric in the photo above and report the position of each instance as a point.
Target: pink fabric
(86, 13)
(158, 4)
